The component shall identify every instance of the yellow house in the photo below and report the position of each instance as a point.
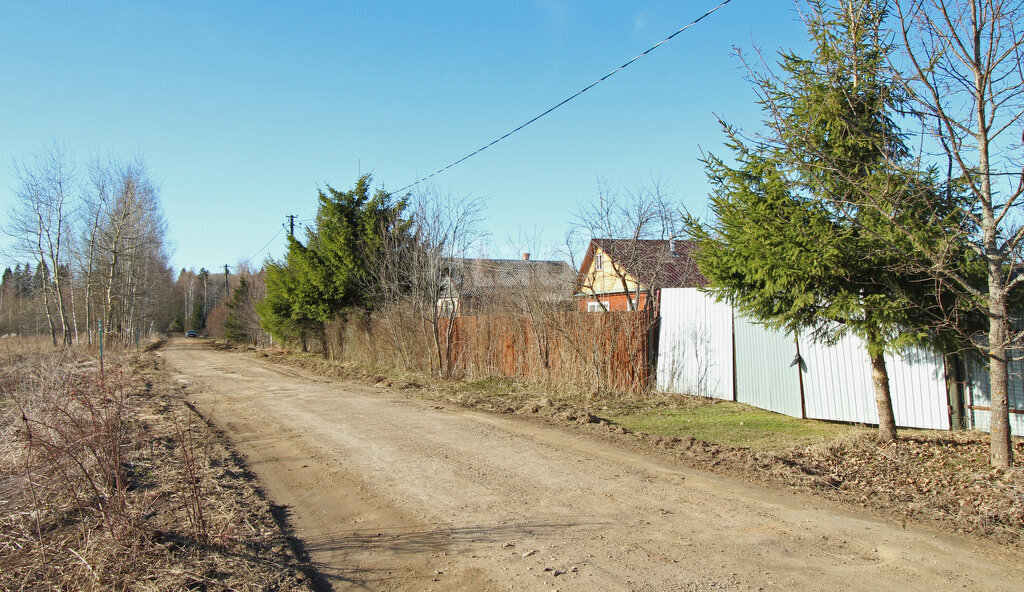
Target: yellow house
(627, 274)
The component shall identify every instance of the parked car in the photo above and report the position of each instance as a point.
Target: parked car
(191, 333)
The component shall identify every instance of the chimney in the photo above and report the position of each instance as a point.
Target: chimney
(672, 246)
(526, 256)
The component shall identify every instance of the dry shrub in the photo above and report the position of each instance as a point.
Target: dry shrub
(215, 321)
(66, 436)
(598, 352)
(105, 484)
(395, 337)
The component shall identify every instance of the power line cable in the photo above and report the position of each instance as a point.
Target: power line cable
(578, 93)
(279, 231)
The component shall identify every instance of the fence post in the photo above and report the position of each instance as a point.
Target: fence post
(732, 329)
(800, 374)
(955, 374)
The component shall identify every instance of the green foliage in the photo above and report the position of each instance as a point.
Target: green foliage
(335, 270)
(282, 313)
(350, 233)
(198, 318)
(234, 328)
(792, 243)
(731, 424)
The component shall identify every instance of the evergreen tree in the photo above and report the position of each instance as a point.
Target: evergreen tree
(283, 312)
(234, 329)
(40, 278)
(198, 318)
(789, 244)
(23, 281)
(333, 272)
(349, 237)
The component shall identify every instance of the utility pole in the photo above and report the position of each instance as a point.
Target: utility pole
(227, 287)
(291, 224)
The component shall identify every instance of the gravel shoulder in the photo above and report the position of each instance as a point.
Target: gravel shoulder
(392, 493)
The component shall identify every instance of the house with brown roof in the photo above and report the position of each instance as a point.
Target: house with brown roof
(476, 286)
(628, 274)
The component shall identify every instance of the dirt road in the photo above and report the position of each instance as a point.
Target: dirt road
(390, 493)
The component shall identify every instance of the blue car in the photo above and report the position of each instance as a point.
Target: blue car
(191, 333)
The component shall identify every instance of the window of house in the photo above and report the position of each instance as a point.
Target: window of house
(446, 307)
(599, 262)
(597, 306)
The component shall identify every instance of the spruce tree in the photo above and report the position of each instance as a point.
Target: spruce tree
(234, 329)
(789, 244)
(333, 272)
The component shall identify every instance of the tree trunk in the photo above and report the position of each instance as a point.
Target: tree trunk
(74, 314)
(49, 313)
(111, 276)
(1000, 449)
(90, 278)
(437, 346)
(58, 299)
(883, 398)
(954, 388)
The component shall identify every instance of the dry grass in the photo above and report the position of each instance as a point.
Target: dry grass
(111, 482)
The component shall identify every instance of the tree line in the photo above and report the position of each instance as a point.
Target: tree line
(96, 239)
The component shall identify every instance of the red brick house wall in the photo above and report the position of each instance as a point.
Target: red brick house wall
(616, 301)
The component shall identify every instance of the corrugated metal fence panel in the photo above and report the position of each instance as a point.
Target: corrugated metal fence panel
(979, 395)
(765, 374)
(695, 344)
(695, 357)
(917, 383)
(837, 381)
(838, 385)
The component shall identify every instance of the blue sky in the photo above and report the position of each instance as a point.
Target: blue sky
(242, 109)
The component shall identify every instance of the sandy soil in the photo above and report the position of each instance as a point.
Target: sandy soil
(391, 493)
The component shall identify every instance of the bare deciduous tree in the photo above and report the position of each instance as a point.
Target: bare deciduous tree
(129, 248)
(967, 83)
(629, 219)
(420, 273)
(40, 222)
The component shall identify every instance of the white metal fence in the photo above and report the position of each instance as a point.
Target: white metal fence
(704, 349)
(979, 399)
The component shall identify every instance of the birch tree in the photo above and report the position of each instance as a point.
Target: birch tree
(130, 249)
(40, 221)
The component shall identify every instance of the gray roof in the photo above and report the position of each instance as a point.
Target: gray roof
(483, 278)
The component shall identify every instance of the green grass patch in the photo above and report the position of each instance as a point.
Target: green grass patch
(731, 424)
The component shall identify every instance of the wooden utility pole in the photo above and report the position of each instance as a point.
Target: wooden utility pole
(291, 224)
(227, 287)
